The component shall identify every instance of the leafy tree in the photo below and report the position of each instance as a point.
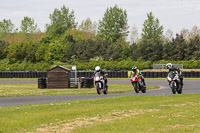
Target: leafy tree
(168, 35)
(185, 33)
(150, 46)
(134, 51)
(150, 50)
(14, 52)
(61, 20)
(56, 52)
(194, 32)
(41, 53)
(28, 25)
(168, 50)
(193, 49)
(3, 47)
(180, 46)
(114, 24)
(89, 28)
(151, 28)
(22, 51)
(6, 26)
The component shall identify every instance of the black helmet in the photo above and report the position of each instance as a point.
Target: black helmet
(134, 68)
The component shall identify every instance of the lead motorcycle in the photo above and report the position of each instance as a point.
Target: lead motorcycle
(100, 84)
(174, 82)
(137, 83)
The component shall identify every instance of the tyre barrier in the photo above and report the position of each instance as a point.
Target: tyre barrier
(89, 74)
(29, 74)
(87, 82)
(163, 74)
(42, 83)
(111, 74)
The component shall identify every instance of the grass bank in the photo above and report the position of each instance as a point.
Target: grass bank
(8, 90)
(171, 113)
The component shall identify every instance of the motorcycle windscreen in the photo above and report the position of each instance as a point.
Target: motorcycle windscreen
(97, 74)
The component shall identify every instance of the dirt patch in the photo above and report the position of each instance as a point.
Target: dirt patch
(181, 105)
(182, 126)
(68, 126)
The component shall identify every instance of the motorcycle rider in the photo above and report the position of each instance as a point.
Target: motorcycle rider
(138, 73)
(172, 68)
(102, 73)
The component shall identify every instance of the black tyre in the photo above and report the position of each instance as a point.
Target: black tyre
(106, 91)
(173, 91)
(179, 91)
(136, 87)
(143, 89)
(173, 87)
(98, 88)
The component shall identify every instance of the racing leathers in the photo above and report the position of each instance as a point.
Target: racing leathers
(138, 73)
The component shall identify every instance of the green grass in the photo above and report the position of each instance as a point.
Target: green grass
(145, 114)
(11, 79)
(8, 90)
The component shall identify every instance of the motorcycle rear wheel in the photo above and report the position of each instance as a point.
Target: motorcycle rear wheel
(105, 91)
(143, 89)
(180, 90)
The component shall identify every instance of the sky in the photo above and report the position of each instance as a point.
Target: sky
(172, 14)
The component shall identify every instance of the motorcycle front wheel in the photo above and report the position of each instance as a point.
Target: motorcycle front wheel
(173, 87)
(136, 87)
(98, 88)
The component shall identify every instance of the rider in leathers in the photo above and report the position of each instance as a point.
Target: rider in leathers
(102, 73)
(172, 68)
(137, 72)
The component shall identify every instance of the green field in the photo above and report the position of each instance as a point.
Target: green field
(8, 90)
(145, 114)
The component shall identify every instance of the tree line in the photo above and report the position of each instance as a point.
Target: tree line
(66, 41)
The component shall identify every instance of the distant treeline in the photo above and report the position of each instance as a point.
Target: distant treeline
(89, 45)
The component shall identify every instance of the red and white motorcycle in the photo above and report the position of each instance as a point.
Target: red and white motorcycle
(137, 83)
(100, 83)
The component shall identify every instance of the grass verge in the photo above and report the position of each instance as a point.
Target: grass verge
(8, 90)
(171, 113)
(16, 79)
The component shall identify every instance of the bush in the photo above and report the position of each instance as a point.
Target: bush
(107, 65)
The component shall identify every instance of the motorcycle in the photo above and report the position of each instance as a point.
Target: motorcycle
(174, 82)
(137, 83)
(100, 84)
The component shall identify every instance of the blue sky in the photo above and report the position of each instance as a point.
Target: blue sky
(173, 14)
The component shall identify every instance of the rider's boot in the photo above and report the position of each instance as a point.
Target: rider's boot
(106, 86)
(181, 82)
(144, 83)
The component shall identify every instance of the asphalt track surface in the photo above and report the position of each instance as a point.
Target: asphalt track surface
(190, 86)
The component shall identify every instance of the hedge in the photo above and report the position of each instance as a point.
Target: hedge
(107, 65)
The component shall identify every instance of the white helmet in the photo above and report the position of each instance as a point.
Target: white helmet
(169, 65)
(97, 68)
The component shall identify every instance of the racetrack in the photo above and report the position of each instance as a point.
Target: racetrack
(190, 86)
